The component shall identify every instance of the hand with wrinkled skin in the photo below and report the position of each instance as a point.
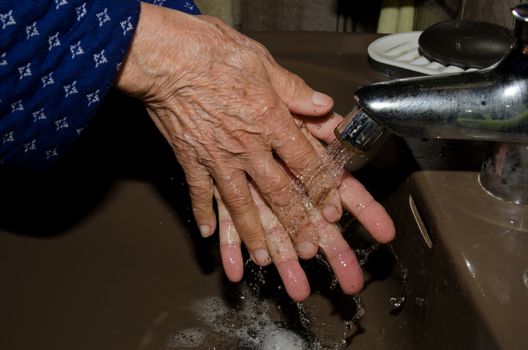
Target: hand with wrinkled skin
(224, 106)
(355, 199)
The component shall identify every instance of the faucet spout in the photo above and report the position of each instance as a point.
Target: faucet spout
(487, 105)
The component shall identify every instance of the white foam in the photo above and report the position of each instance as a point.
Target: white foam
(283, 340)
(188, 338)
(249, 324)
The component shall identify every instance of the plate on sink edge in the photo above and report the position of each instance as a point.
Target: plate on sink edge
(396, 52)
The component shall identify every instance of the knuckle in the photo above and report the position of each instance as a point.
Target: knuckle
(305, 161)
(292, 82)
(268, 105)
(278, 193)
(238, 204)
(200, 191)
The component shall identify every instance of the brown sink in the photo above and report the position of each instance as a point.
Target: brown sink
(103, 253)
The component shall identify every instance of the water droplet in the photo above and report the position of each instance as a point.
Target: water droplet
(397, 302)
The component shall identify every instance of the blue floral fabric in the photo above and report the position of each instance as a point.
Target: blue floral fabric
(58, 59)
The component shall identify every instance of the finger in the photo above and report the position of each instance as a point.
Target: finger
(282, 252)
(360, 203)
(341, 258)
(322, 128)
(330, 203)
(302, 160)
(296, 94)
(230, 252)
(235, 193)
(286, 201)
(201, 191)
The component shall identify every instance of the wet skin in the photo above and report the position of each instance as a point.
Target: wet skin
(225, 106)
(355, 199)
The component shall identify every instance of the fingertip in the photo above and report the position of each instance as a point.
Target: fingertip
(354, 287)
(298, 96)
(294, 279)
(332, 212)
(378, 222)
(232, 262)
(348, 272)
(205, 231)
(320, 99)
(306, 250)
(387, 235)
(261, 257)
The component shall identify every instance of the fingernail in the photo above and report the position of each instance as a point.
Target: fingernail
(205, 230)
(261, 257)
(331, 213)
(320, 99)
(305, 249)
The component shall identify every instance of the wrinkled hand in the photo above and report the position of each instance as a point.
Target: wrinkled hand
(224, 105)
(355, 199)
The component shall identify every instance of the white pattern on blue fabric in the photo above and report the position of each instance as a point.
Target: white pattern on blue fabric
(3, 61)
(60, 3)
(189, 5)
(103, 17)
(17, 106)
(70, 89)
(126, 25)
(53, 41)
(100, 58)
(30, 146)
(93, 97)
(47, 80)
(38, 115)
(81, 11)
(52, 153)
(76, 49)
(31, 30)
(7, 19)
(24, 71)
(62, 123)
(8, 137)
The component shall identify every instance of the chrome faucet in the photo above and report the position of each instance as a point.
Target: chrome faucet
(488, 105)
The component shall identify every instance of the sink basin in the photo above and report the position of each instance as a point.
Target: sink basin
(103, 252)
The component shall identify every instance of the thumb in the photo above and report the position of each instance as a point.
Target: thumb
(297, 95)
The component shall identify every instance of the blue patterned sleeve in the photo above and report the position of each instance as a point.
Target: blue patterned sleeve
(58, 59)
(180, 5)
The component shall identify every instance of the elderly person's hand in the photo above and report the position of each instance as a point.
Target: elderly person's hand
(355, 199)
(225, 107)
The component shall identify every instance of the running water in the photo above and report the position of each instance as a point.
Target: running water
(317, 182)
(330, 170)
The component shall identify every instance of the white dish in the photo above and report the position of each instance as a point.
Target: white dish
(401, 50)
